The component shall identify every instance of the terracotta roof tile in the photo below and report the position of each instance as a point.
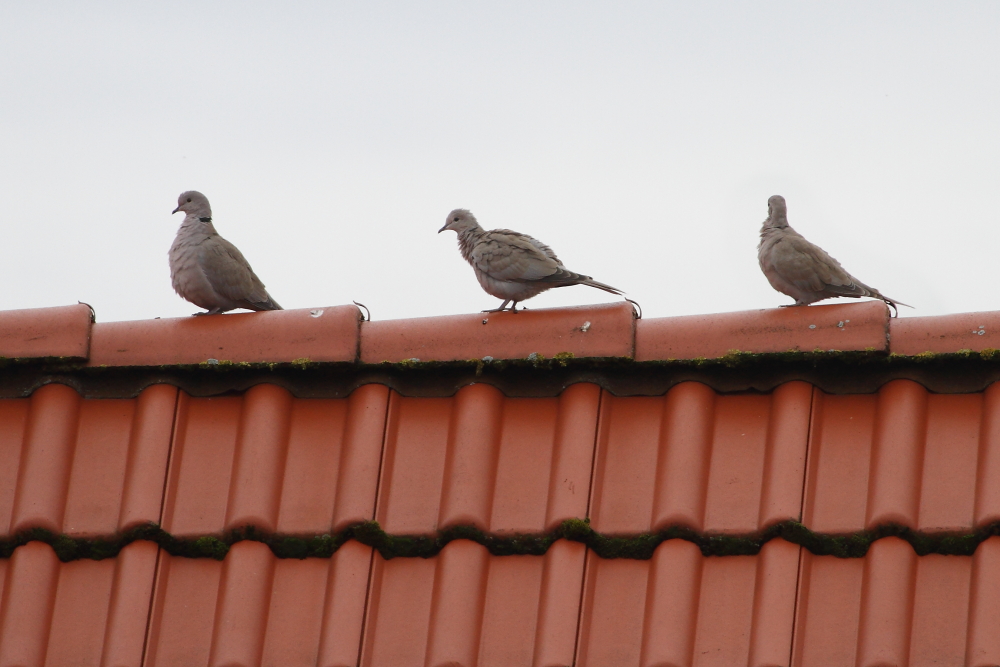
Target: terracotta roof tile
(945, 333)
(319, 334)
(724, 464)
(895, 608)
(696, 459)
(681, 608)
(855, 326)
(502, 464)
(85, 467)
(590, 331)
(253, 609)
(63, 331)
(466, 607)
(901, 456)
(75, 613)
(275, 462)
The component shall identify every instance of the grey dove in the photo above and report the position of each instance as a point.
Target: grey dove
(802, 270)
(208, 270)
(510, 265)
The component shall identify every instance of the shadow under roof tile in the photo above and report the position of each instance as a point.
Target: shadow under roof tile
(466, 607)
(945, 333)
(63, 331)
(319, 334)
(502, 464)
(605, 330)
(716, 463)
(841, 326)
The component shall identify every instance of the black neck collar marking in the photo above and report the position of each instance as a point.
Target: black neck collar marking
(204, 219)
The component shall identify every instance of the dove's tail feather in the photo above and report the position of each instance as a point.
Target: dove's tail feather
(270, 304)
(607, 288)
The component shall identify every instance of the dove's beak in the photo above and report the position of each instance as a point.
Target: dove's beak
(443, 228)
(175, 210)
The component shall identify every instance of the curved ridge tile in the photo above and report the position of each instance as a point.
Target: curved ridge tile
(62, 331)
(605, 330)
(318, 334)
(839, 326)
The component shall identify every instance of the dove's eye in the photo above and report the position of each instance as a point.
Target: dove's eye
(189, 200)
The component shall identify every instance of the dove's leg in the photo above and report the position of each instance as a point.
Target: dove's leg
(214, 311)
(503, 307)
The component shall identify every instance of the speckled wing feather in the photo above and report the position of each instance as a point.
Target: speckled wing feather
(811, 268)
(506, 255)
(231, 275)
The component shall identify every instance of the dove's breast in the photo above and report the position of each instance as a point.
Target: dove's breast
(188, 277)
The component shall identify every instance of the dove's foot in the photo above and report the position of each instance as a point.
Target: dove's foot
(214, 311)
(503, 307)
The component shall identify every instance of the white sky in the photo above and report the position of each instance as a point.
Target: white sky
(640, 140)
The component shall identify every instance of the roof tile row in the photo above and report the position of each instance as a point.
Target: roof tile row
(337, 334)
(466, 607)
(716, 463)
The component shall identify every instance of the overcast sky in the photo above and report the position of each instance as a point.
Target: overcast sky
(640, 140)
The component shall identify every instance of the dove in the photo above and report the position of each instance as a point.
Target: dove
(802, 270)
(510, 265)
(208, 270)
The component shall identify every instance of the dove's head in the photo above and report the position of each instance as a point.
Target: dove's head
(194, 203)
(459, 220)
(777, 214)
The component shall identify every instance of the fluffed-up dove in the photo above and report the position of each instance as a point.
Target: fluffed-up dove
(510, 265)
(803, 270)
(208, 270)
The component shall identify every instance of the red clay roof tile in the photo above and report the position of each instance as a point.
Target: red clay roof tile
(466, 607)
(275, 462)
(590, 331)
(900, 456)
(63, 331)
(75, 613)
(253, 609)
(319, 334)
(502, 464)
(86, 467)
(681, 608)
(945, 333)
(896, 608)
(842, 326)
(692, 458)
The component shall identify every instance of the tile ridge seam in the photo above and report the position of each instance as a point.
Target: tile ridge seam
(635, 546)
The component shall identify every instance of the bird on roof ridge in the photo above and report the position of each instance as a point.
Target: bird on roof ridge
(208, 270)
(801, 269)
(510, 265)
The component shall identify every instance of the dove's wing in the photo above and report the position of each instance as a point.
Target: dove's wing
(230, 273)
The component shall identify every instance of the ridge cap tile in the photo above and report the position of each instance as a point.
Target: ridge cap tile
(326, 334)
(945, 333)
(58, 331)
(601, 330)
(839, 326)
